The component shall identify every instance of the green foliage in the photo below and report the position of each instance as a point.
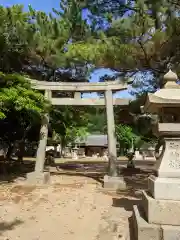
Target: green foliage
(35, 43)
(97, 123)
(16, 94)
(103, 8)
(68, 123)
(131, 137)
(126, 136)
(75, 134)
(20, 107)
(144, 40)
(16, 36)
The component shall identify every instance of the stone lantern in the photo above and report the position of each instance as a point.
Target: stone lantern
(75, 153)
(158, 217)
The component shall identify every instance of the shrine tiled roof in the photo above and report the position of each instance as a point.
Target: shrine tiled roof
(95, 140)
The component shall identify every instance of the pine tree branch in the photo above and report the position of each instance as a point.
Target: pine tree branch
(144, 51)
(176, 3)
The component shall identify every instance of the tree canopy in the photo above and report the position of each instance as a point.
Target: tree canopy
(140, 37)
(21, 108)
(34, 43)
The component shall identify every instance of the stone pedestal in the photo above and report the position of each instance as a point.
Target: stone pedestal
(158, 217)
(114, 183)
(147, 231)
(35, 178)
(164, 188)
(161, 211)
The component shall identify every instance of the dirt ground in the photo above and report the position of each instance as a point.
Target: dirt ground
(73, 206)
(70, 208)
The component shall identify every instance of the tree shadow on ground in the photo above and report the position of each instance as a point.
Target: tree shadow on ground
(6, 226)
(137, 179)
(98, 177)
(84, 161)
(125, 203)
(10, 171)
(91, 170)
(80, 166)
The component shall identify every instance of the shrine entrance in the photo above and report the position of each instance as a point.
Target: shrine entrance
(78, 88)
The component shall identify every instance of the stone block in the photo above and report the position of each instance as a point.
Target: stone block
(171, 232)
(38, 178)
(164, 188)
(157, 211)
(142, 229)
(168, 164)
(146, 231)
(114, 183)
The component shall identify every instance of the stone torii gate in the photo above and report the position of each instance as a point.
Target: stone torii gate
(112, 180)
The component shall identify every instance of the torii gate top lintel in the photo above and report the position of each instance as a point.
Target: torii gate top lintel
(79, 86)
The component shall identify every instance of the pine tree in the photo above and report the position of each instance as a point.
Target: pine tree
(35, 43)
(16, 35)
(145, 39)
(65, 27)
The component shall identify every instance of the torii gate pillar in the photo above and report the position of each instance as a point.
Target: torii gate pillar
(39, 176)
(112, 181)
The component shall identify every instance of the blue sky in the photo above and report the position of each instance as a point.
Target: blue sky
(44, 5)
(47, 5)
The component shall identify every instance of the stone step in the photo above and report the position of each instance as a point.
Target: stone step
(142, 229)
(166, 212)
(146, 231)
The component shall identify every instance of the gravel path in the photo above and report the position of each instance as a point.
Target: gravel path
(71, 208)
